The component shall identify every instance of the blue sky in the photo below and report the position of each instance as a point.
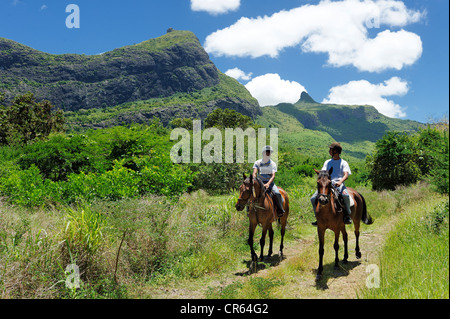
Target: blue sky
(390, 54)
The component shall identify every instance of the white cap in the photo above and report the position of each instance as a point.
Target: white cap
(267, 148)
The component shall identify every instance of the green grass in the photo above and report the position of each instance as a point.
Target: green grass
(135, 248)
(414, 263)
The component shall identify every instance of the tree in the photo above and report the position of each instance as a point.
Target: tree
(186, 123)
(438, 175)
(429, 143)
(227, 119)
(394, 162)
(25, 120)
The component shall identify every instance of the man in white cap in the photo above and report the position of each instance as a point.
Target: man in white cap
(266, 168)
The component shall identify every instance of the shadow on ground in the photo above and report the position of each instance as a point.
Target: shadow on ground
(254, 267)
(329, 272)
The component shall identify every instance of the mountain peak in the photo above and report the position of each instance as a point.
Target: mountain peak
(306, 98)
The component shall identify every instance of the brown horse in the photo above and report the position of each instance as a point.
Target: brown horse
(329, 218)
(261, 211)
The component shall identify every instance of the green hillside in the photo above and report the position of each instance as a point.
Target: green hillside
(310, 126)
(228, 93)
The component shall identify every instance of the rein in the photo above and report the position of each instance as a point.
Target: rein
(255, 203)
(330, 197)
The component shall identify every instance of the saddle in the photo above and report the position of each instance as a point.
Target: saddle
(339, 204)
(276, 211)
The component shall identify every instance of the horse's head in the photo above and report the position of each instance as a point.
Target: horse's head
(249, 189)
(324, 186)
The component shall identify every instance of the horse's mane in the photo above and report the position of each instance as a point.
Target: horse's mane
(260, 182)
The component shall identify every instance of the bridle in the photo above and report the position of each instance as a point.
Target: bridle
(325, 197)
(249, 202)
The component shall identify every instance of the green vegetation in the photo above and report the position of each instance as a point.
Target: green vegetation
(310, 127)
(401, 159)
(198, 99)
(25, 120)
(113, 203)
(109, 164)
(414, 260)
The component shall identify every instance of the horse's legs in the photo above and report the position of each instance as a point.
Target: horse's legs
(336, 249)
(321, 235)
(283, 230)
(262, 241)
(251, 232)
(270, 241)
(345, 238)
(357, 251)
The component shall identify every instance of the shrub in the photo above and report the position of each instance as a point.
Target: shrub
(158, 175)
(59, 156)
(400, 159)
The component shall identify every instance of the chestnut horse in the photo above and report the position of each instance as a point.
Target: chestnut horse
(261, 211)
(329, 218)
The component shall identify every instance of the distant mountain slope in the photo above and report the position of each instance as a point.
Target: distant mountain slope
(172, 64)
(310, 126)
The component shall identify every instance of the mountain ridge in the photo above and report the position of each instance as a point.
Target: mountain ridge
(156, 68)
(311, 126)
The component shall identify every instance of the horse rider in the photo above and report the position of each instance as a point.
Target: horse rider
(341, 171)
(266, 168)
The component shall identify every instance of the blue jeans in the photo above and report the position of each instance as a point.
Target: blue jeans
(276, 191)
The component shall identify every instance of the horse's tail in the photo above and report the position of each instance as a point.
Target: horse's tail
(366, 218)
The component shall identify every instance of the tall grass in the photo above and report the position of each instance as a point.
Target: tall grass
(133, 247)
(414, 262)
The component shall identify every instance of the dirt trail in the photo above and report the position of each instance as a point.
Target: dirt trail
(335, 284)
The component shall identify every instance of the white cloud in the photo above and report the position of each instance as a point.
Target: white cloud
(215, 7)
(43, 7)
(365, 93)
(339, 29)
(238, 74)
(270, 89)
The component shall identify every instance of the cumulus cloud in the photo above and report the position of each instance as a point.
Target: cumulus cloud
(270, 89)
(215, 7)
(43, 7)
(365, 93)
(340, 29)
(238, 74)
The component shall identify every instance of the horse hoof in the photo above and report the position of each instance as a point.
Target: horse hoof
(345, 261)
(358, 254)
(318, 277)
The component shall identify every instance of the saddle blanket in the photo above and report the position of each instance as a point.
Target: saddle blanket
(352, 201)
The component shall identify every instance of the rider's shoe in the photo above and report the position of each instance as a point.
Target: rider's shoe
(347, 220)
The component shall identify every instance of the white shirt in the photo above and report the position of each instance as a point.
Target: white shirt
(339, 168)
(265, 170)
